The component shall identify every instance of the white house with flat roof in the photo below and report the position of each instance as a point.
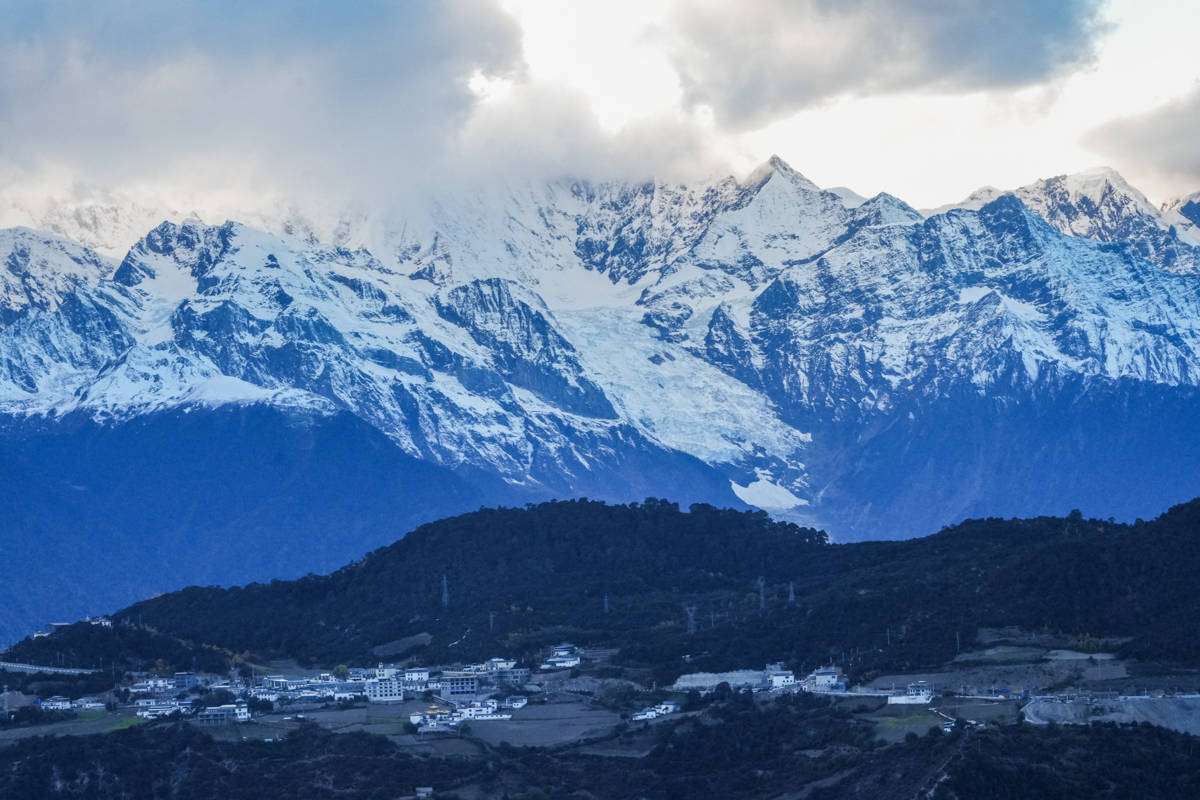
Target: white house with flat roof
(918, 693)
(825, 679)
(779, 678)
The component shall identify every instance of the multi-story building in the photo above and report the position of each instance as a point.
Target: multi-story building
(385, 690)
(779, 678)
(186, 680)
(517, 676)
(223, 715)
(458, 684)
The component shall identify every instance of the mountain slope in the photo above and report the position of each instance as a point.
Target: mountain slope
(518, 580)
(40, 272)
(853, 365)
(1100, 204)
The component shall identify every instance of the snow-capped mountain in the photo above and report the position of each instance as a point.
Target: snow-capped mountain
(1184, 212)
(230, 402)
(40, 270)
(1100, 204)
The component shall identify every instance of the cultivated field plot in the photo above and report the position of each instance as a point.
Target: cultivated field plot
(547, 725)
(1003, 712)
(87, 723)
(1035, 677)
(892, 728)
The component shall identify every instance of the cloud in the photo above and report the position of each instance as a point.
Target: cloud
(376, 101)
(551, 132)
(326, 96)
(1162, 143)
(759, 59)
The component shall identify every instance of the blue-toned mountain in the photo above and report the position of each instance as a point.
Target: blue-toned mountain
(192, 410)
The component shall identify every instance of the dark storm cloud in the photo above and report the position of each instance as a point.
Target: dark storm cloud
(760, 59)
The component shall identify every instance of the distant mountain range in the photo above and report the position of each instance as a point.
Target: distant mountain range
(222, 403)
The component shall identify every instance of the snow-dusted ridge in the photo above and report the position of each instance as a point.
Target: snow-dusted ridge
(764, 327)
(1100, 204)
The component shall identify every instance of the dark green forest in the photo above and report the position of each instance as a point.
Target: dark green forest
(517, 580)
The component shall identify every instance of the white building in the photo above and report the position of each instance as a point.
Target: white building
(917, 694)
(153, 685)
(223, 715)
(276, 683)
(561, 662)
(434, 718)
(645, 714)
(159, 710)
(825, 679)
(486, 710)
(57, 703)
(385, 690)
(778, 677)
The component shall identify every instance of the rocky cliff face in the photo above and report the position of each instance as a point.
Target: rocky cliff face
(849, 363)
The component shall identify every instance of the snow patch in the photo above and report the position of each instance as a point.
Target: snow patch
(766, 495)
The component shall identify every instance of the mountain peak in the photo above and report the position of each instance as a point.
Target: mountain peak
(972, 202)
(777, 166)
(1187, 207)
(39, 270)
(775, 162)
(849, 197)
(1093, 182)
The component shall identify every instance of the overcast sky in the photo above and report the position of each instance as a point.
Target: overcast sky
(926, 99)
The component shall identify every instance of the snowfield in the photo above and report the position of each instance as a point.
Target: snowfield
(767, 329)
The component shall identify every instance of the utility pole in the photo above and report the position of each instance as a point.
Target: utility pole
(957, 643)
(606, 602)
(690, 610)
(445, 592)
(492, 621)
(792, 593)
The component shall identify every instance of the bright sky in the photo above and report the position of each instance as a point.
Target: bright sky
(928, 148)
(924, 99)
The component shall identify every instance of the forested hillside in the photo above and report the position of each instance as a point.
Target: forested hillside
(659, 583)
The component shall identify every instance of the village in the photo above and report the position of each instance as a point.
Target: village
(573, 695)
(431, 702)
(447, 695)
